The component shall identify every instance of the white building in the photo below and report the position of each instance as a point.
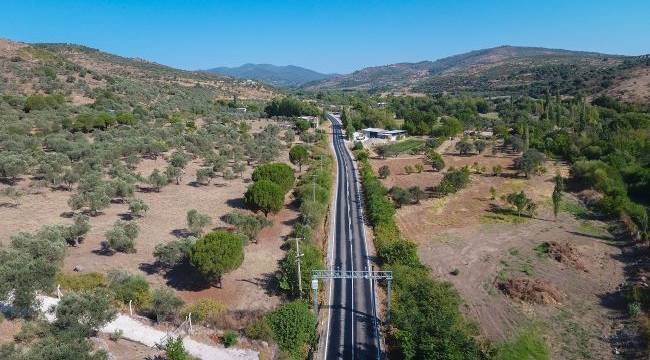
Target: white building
(376, 133)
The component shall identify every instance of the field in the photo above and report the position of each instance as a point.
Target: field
(245, 288)
(466, 238)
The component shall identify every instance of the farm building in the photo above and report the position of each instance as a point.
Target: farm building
(376, 133)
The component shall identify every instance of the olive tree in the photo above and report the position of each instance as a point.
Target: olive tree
(157, 180)
(138, 207)
(122, 236)
(84, 312)
(530, 162)
(197, 221)
(435, 159)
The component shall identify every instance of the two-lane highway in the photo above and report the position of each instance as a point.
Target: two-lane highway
(351, 327)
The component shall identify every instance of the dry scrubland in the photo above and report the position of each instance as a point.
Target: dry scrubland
(465, 241)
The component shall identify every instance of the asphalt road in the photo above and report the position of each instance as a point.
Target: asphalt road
(351, 332)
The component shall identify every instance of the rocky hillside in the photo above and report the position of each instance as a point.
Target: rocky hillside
(507, 70)
(84, 75)
(281, 76)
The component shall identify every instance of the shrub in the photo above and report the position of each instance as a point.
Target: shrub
(464, 146)
(229, 338)
(83, 281)
(127, 287)
(116, 335)
(175, 350)
(294, 328)
(521, 203)
(246, 224)
(217, 253)
(259, 330)
(312, 259)
(157, 180)
(203, 311)
(164, 304)
(399, 252)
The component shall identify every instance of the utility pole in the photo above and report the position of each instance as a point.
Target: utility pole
(313, 191)
(298, 256)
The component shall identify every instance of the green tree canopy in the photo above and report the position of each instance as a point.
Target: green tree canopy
(265, 196)
(217, 253)
(279, 173)
(298, 155)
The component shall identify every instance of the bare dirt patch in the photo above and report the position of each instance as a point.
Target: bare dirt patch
(533, 291)
(566, 254)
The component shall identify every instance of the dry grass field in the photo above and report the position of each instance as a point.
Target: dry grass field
(465, 241)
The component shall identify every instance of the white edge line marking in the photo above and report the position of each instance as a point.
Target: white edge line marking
(365, 245)
(332, 236)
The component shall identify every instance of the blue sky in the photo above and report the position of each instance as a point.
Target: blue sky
(328, 36)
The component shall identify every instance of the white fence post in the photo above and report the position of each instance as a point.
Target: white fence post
(130, 308)
(189, 317)
(58, 291)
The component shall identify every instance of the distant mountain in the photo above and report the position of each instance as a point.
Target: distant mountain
(506, 70)
(280, 76)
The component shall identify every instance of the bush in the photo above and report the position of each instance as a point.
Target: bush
(521, 203)
(312, 259)
(127, 287)
(294, 328)
(427, 318)
(259, 330)
(384, 171)
(229, 338)
(278, 173)
(164, 304)
(203, 311)
(116, 335)
(174, 349)
(83, 281)
(399, 252)
(246, 224)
